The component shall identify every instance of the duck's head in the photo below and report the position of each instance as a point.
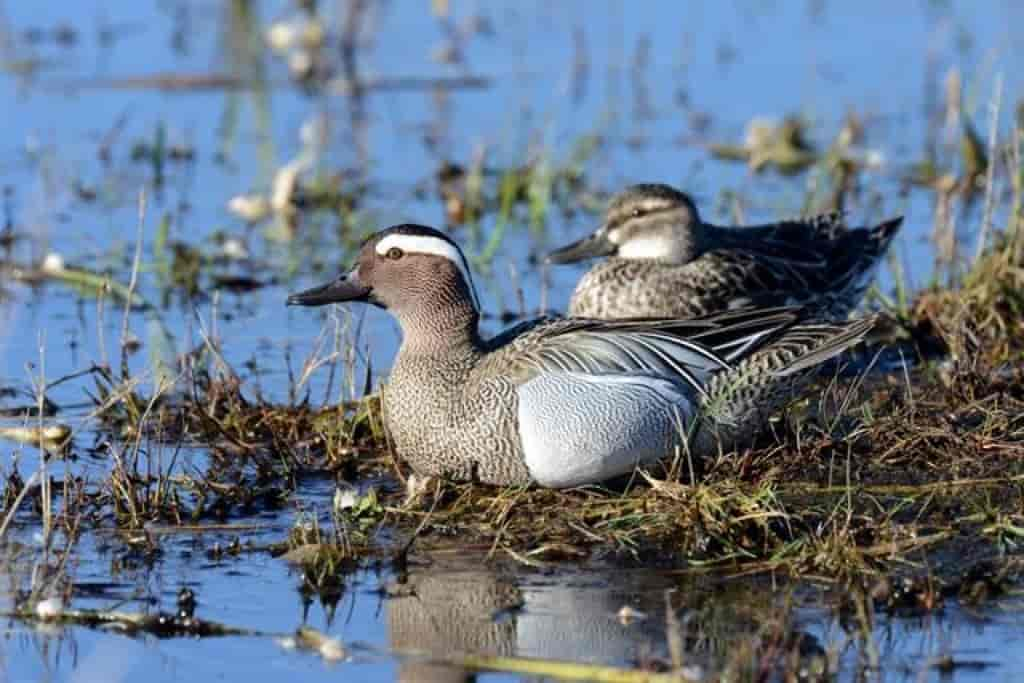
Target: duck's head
(650, 221)
(411, 270)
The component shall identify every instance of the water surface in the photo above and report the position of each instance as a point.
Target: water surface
(651, 82)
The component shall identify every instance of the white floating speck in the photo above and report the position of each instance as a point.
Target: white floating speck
(874, 159)
(345, 496)
(282, 35)
(760, 131)
(285, 182)
(332, 650)
(53, 263)
(235, 249)
(627, 615)
(313, 132)
(250, 207)
(300, 64)
(51, 608)
(692, 672)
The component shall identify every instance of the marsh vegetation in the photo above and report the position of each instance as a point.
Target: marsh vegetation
(178, 447)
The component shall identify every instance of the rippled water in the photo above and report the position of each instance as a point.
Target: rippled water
(650, 80)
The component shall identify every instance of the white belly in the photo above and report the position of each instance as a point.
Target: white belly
(580, 429)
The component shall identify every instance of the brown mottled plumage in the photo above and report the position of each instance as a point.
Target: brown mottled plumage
(664, 261)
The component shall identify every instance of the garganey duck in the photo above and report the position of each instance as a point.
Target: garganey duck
(664, 261)
(566, 402)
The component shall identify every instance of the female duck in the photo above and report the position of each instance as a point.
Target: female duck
(664, 261)
(563, 402)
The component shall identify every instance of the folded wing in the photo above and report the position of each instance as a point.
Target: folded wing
(687, 352)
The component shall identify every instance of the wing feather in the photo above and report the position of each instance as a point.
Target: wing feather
(687, 352)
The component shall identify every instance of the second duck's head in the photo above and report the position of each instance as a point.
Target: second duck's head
(649, 221)
(415, 272)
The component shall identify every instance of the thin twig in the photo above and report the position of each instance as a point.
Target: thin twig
(990, 175)
(32, 481)
(43, 453)
(131, 284)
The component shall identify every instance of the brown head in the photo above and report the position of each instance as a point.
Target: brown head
(415, 272)
(648, 221)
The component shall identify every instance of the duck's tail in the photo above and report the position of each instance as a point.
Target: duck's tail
(740, 400)
(857, 255)
(880, 236)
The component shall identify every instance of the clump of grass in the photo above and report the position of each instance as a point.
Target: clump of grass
(992, 294)
(326, 557)
(523, 194)
(783, 146)
(322, 558)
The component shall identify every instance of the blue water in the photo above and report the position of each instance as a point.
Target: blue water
(487, 608)
(461, 604)
(557, 71)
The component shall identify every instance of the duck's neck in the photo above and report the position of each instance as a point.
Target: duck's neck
(703, 238)
(442, 332)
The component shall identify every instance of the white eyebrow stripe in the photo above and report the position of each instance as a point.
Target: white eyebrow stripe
(435, 246)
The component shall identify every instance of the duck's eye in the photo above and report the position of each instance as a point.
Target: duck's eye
(394, 253)
(637, 212)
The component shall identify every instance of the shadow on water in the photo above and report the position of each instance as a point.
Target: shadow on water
(171, 170)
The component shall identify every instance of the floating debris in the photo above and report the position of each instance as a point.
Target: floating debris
(50, 609)
(285, 182)
(187, 603)
(251, 208)
(161, 624)
(50, 437)
(307, 638)
(281, 201)
(345, 497)
(282, 35)
(173, 82)
(86, 282)
(53, 263)
(766, 143)
(628, 615)
(234, 249)
(237, 283)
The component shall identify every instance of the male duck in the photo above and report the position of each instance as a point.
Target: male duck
(565, 402)
(664, 261)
